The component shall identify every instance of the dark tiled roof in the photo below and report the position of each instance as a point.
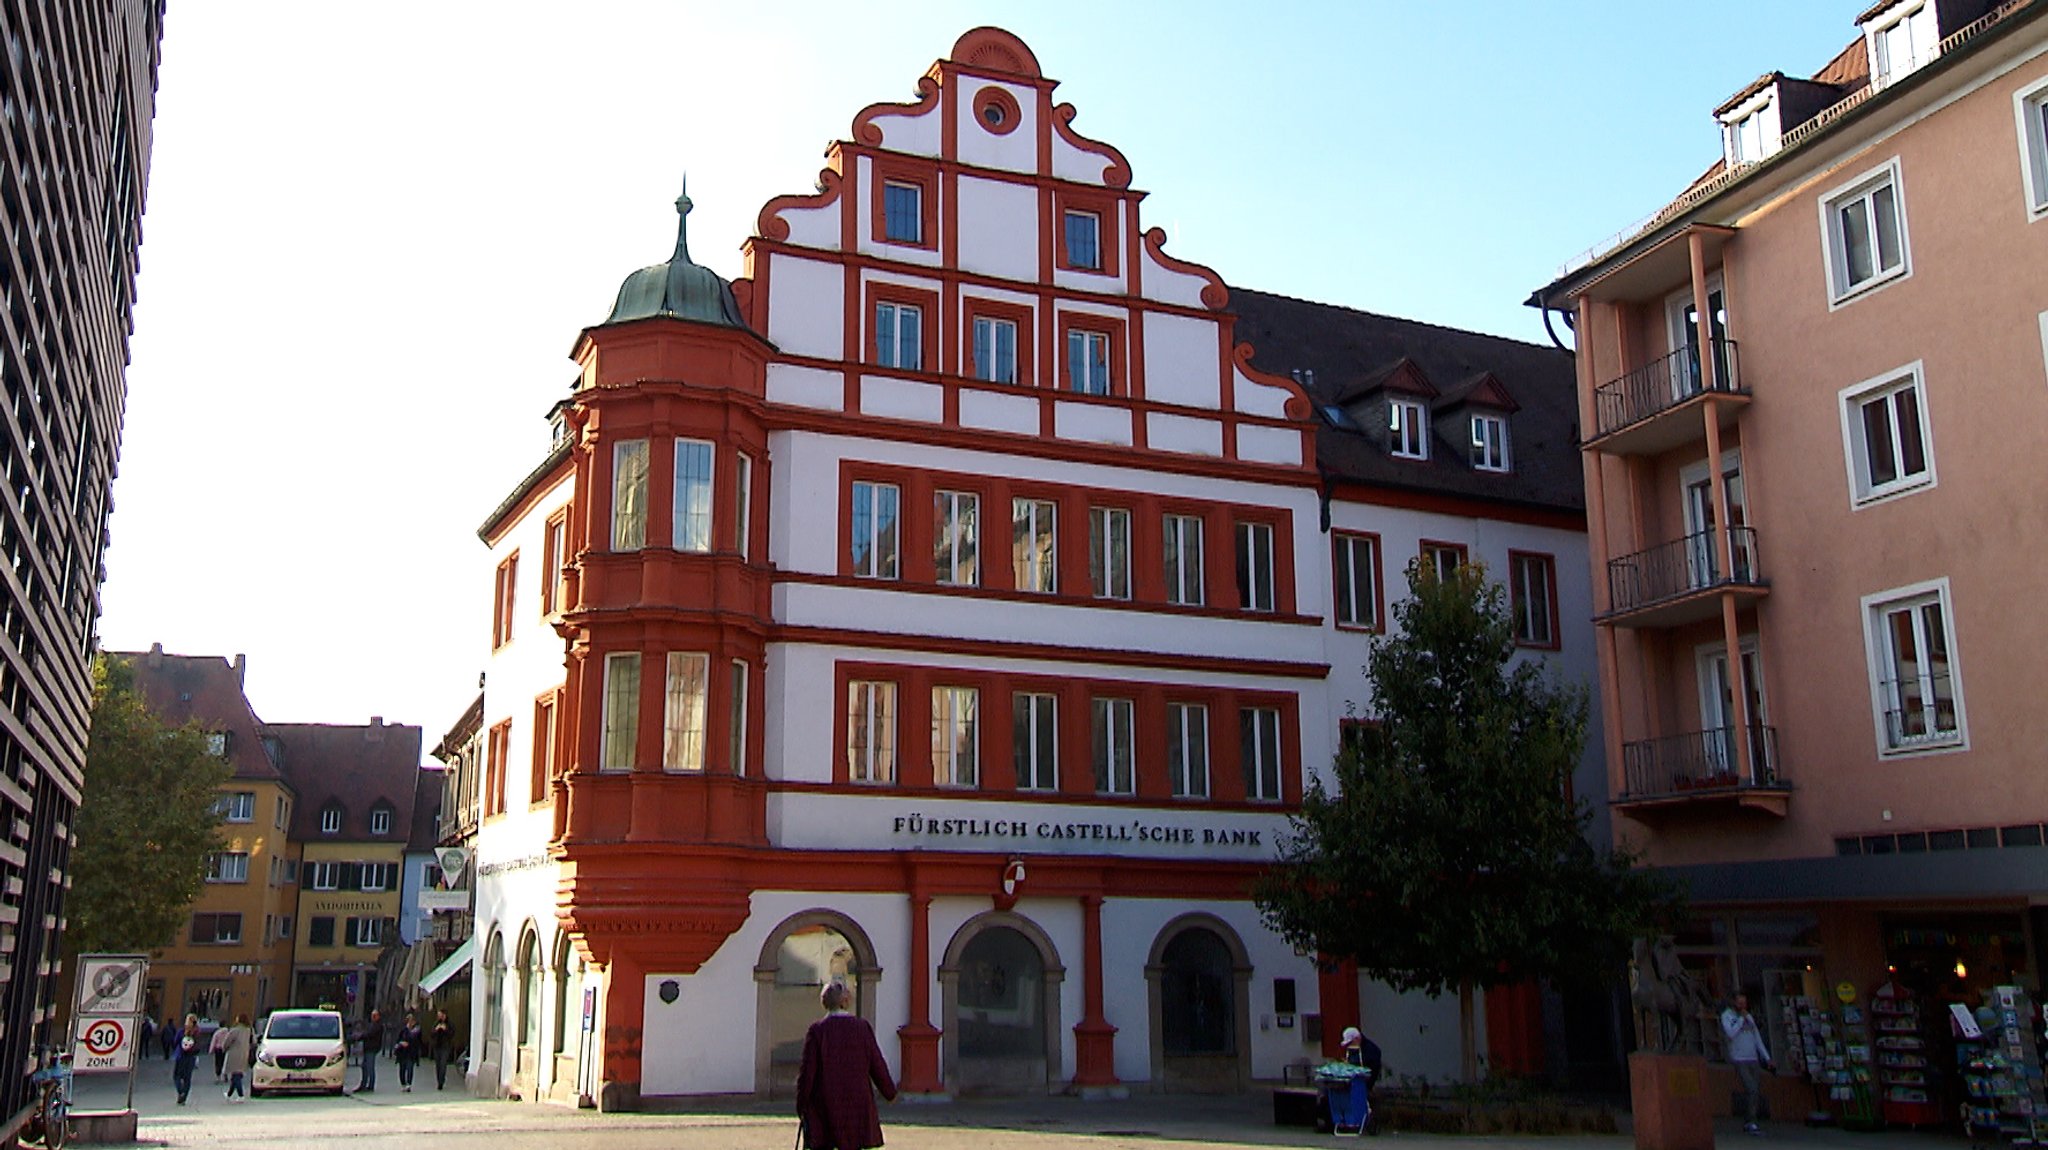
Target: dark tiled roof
(426, 809)
(359, 768)
(1346, 348)
(206, 690)
(1850, 69)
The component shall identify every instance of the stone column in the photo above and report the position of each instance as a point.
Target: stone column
(920, 1039)
(1094, 1037)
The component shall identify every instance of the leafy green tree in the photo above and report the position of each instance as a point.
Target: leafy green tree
(145, 822)
(1451, 854)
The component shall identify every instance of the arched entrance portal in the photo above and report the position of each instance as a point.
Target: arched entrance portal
(1199, 979)
(1001, 986)
(801, 955)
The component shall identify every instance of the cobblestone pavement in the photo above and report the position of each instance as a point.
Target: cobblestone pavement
(426, 1118)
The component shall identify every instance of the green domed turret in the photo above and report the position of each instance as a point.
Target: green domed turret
(679, 288)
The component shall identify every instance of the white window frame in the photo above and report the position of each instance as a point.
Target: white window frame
(956, 537)
(1877, 647)
(1087, 373)
(1266, 763)
(1356, 606)
(1490, 443)
(621, 732)
(902, 350)
(2030, 116)
(871, 560)
(987, 331)
(330, 821)
(1107, 527)
(1258, 590)
(1034, 545)
(325, 876)
(217, 744)
(873, 758)
(1040, 758)
(227, 866)
(368, 931)
(375, 876)
(1112, 735)
(629, 494)
(237, 807)
(1834, 245)
(690, 520)
(1187, 750)
(956, 736)
(1855, 446)
(1520, 592)
(1184, 585)
(685, 710)
(380, 821)
(1408, 429)
(1919, 21)
(743, 503)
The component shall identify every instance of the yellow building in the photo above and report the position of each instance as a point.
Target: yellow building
(356, 789)
(233, 954)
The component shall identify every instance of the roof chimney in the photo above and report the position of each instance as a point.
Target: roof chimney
(374, 733)
(241, 668)
(156, 655)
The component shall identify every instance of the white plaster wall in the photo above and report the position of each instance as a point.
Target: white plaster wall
(1277, 445)
(999, 228)
(806, 387)
(864, 192)
(1167, 285)
(814, 227)
(1092, 423)
(1180, 360)
(918, 133)
(1255, 398)
(994, 411)
(1184, 435)
(1015, 151)
(1417, 1034)
(505, 903)
(806, 307)
(889, 398)
(1071, 163)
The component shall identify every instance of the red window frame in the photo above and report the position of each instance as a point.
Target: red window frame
(973, 308)
(1114, 329)
(1107, 208)
(503, 591)
(927, 303)
(888, 170)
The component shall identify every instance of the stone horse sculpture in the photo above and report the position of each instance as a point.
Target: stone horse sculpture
(1670, 1003)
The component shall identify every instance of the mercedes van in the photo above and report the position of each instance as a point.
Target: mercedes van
(300, 1050)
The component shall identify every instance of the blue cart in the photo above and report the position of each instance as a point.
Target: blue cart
(1350, 1101)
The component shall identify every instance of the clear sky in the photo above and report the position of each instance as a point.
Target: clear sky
(374, 230)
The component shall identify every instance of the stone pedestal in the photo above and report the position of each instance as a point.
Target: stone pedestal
(1668, 1093)
(103, 1126)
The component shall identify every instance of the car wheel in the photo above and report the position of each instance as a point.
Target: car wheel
(337, 1092)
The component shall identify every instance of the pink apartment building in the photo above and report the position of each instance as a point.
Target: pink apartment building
(1816, 547)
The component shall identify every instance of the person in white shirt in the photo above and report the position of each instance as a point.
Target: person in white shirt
(1746, 1053)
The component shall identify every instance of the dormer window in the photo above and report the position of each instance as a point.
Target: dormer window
(1408, 420)
(1750, 130)
(1490, 443)
(380, 821)
(1907, 37)
(217, 744)
(330, 821)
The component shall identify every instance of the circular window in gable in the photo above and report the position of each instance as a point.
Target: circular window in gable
(997, 110)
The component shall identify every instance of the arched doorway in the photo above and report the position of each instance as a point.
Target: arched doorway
(1199, 984)
(494, 1009)
(801, 955)
(526, 1071)
(1000, 982)
(567, 971)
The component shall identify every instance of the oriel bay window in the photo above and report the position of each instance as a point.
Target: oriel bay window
(621, 710)
(1183, 559)
(1259, 728)
(874, 529)
(743, 503)
(682, 735)
(956, 533)
(692, 519)
(1109, 552)
(629, 495)
(1032, 545)
(736, 731)
(956, 736)
(1187, 750)
(871, 731)
(1112, 737)
(1034, 738)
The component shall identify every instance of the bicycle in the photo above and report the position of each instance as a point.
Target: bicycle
(49, 1126)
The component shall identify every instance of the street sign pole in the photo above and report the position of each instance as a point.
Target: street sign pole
(106, 1016)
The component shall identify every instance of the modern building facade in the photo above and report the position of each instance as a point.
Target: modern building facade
(74, 160)
(954, 606)
(234, 954)
(356, 788)
(1801, 385)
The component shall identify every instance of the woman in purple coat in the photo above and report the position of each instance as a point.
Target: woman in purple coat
(835, 1086)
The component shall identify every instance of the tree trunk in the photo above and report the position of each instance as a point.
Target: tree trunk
(1468, 1062)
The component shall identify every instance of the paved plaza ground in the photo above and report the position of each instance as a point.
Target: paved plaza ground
(426, 1118)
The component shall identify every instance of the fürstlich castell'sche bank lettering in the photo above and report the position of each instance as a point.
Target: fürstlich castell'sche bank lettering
(78, 92)
(955, 605)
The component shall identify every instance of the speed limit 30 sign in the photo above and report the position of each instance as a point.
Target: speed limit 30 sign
(103, 1042)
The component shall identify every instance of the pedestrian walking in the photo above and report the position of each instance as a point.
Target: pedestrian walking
(237, 1048)
(219, 1047)
(842, 1068)
(372, 1038)
(148, 1037)
(187, 1057)
(1746, 1052)
(406, 1051)
(168, 1036)
(442, 1042)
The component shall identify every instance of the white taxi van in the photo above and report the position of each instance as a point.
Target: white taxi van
(300, 1050)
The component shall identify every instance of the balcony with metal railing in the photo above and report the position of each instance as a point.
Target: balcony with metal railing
(1705, 767)
(1920, 712)
(1656, 407)
(1682, 581)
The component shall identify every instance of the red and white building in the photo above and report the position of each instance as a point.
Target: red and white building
(950, 605)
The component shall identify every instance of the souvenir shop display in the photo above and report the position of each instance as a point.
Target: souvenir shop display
(2000, 1068)
(1825, 1034)
(1905, 1078)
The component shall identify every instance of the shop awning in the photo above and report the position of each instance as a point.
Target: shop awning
(450, 966)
